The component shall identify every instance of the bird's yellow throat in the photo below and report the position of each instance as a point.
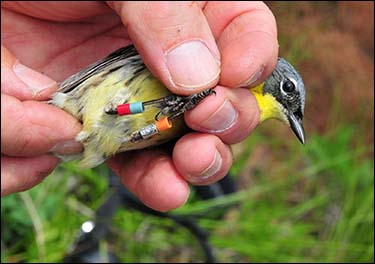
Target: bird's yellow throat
(268, 105)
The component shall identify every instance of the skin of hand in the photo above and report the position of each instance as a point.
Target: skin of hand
(45, 42)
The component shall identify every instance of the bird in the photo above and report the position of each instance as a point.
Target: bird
(122, 106)
(282, 96)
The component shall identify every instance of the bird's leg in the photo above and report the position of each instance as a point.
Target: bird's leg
(187, 103)
(175, 105)
(171, 106)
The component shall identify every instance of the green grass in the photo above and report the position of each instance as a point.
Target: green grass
(315, 204)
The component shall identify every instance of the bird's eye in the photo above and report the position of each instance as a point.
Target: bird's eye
(288, 87)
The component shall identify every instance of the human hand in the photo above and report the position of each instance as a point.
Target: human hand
(235, 44)
(30, 129)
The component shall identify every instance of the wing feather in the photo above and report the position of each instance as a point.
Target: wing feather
(109, 64)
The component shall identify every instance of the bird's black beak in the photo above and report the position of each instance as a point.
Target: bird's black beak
(297, 127)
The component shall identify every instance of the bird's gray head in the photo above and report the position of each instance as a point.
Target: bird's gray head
(286, 85)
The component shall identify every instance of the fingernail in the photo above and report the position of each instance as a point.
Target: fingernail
(223, 119)
(33, 79)
(192, 65)
(67, 147)
(253, 78)
(212, 169)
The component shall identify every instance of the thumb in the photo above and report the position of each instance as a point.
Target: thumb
(23, 82)
(175, 42)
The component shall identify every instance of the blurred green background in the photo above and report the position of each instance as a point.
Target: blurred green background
(312, 203)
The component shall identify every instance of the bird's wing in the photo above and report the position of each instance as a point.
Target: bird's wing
(115, 60)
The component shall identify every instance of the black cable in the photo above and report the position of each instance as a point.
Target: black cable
(189, 223)
(86, 247)
(201, 235)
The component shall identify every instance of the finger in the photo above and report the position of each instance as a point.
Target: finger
(58, 11)
(152, 177)
(32, 128)
(23, 82)
(247, 39)
(231, 114)
(175, 41)
(19, 174)
(202, 158)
